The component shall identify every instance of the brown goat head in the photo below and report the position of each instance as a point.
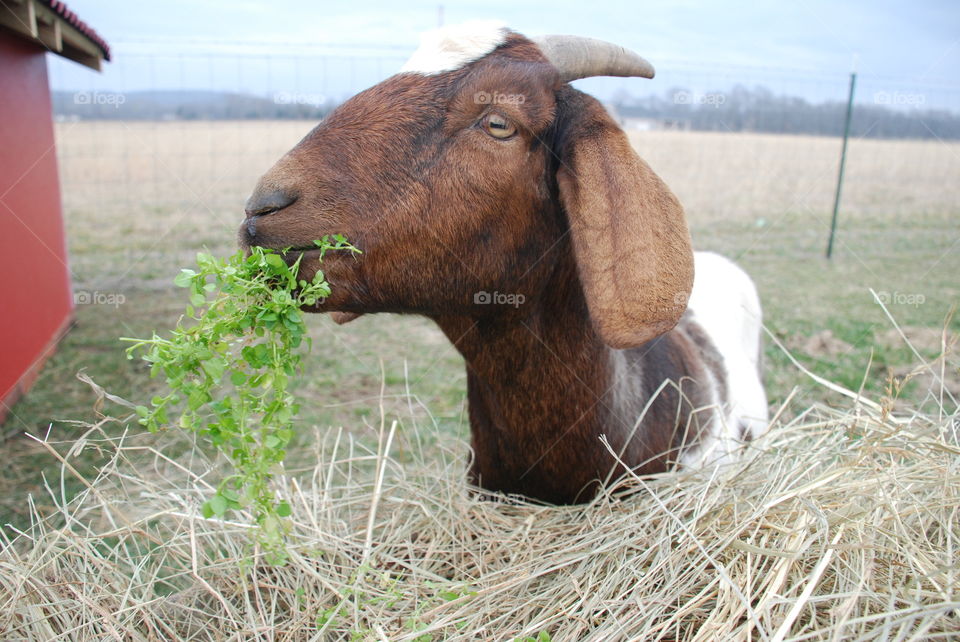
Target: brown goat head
(480, 178)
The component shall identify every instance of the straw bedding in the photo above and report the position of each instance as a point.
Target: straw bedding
(841, 524)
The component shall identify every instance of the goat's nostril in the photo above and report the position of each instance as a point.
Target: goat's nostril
(266, 202)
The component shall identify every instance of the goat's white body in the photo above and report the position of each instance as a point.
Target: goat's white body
(453, 46)
(724, 302)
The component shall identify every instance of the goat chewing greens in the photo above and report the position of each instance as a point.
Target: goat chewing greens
(244, 326)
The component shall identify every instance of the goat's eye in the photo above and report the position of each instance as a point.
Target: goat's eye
(498, 126)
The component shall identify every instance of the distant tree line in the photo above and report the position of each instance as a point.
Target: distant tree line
(887, 115)
(760, 110)
(188, 105)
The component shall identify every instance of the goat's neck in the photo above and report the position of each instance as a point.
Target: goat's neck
(542, 389)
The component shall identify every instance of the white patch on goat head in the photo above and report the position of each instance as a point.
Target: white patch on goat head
(453, 46)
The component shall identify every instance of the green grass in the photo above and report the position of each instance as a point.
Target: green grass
(911, 264)
(417, 369)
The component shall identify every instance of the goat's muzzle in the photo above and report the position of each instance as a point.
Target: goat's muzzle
(264, 203)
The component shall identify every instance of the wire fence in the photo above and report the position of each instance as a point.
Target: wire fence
(191, 132)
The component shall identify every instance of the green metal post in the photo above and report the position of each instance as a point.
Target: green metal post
(843, 162)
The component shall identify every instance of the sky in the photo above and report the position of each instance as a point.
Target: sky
(219, 44)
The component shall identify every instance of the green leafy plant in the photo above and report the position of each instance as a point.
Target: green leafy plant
(228, 365)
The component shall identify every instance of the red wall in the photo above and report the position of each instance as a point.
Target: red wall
(35, 295)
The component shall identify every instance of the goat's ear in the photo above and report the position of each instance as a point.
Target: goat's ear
(629, 233)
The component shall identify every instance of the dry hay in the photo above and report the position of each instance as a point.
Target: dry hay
(841, 524)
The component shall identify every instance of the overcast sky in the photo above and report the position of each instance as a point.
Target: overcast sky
(916, 41)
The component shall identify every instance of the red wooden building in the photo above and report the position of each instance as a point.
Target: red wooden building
(36, 301)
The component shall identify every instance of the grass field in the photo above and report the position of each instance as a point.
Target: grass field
(141, 199)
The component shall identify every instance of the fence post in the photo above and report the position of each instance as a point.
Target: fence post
(843, 162)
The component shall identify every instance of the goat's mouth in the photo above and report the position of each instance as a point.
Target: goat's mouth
(293, 253)
(332, 263)
(309, 256)
(311, 259)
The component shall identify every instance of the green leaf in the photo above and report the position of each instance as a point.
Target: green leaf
(185, 278)
(283, 509)
(214, 368)
(218, 504)
(272, 442)
(276, 262)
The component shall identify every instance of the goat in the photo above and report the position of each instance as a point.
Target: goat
(490, 196)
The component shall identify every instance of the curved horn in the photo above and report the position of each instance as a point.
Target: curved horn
(578, 57)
